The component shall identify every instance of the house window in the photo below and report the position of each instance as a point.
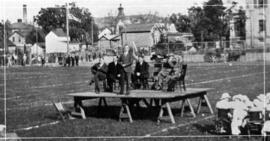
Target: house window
(13, 39)
(260, 3)
(262, 25)
(255, 3)
(19, 39)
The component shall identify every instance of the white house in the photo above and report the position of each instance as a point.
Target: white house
(17, 38)
(143, 35)
(257, 23)
(104, 32)
(56, 41)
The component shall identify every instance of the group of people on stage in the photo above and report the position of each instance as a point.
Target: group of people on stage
(121, 69)
(240, 105)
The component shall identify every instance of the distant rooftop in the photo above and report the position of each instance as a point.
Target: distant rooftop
(59, 32)
(22, 26)
(9, 44)
(132, 28)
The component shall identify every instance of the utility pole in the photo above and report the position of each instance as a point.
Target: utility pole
(264, 52)
(67, 26)
(92, 31)
(36, 39)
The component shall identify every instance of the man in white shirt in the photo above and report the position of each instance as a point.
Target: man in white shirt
(239, 113)
(24, 59)
(266, 125)
(224, 102)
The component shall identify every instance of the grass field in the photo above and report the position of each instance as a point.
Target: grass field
(31, 90)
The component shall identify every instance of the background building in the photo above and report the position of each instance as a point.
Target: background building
(257, 23)
(143, 35)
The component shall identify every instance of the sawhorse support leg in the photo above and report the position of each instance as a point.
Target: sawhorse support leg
(155, 102)
(205, 99)
(146, 103)
(189, 105)
(125, 111)
(102, 100)
(161, 112)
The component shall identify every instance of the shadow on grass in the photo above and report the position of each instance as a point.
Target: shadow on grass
(205, 128)
(112, 112)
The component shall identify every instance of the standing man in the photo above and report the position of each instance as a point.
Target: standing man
(77, 59)
(24, 59)
(126, 59)
(43, 61)
(72, 60)
(9, 58)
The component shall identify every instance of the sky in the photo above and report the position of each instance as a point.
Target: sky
(12, 9)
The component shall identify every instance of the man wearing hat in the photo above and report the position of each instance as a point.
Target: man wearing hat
(266, 125)
(239, 113)
(168, 72)
(224, 102)
(115, 72)
(126, 60)
(141, 73)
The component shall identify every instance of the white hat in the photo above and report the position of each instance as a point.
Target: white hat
(225, 95)
(245, 98)
(2, 127)
(238, 96)
(268, 107)
(261, 97)
(257, 103)
(268, 95)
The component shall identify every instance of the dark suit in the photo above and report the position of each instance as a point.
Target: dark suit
(72, 61)
(113, 71)
(68, 60)
(126, 61)
(143, 69)
(99, 73)
(77, 60)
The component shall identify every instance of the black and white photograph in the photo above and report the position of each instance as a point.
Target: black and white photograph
(135, 70)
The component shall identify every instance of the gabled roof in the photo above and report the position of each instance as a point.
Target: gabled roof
(135, 28)
(59, 32)
(110, 37)
(9, 43)
(22, 26)
(23, 34)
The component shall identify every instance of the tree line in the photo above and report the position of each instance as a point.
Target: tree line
(209, 22)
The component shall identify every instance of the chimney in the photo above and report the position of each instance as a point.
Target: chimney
(24, 13)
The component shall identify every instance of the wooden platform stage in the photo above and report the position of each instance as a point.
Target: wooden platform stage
(161, 99)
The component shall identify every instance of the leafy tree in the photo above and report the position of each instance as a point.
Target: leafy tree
(198, 22)
(182, 22)
(51, 18)
(34, 36)
(207, 23)
(214, 13)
